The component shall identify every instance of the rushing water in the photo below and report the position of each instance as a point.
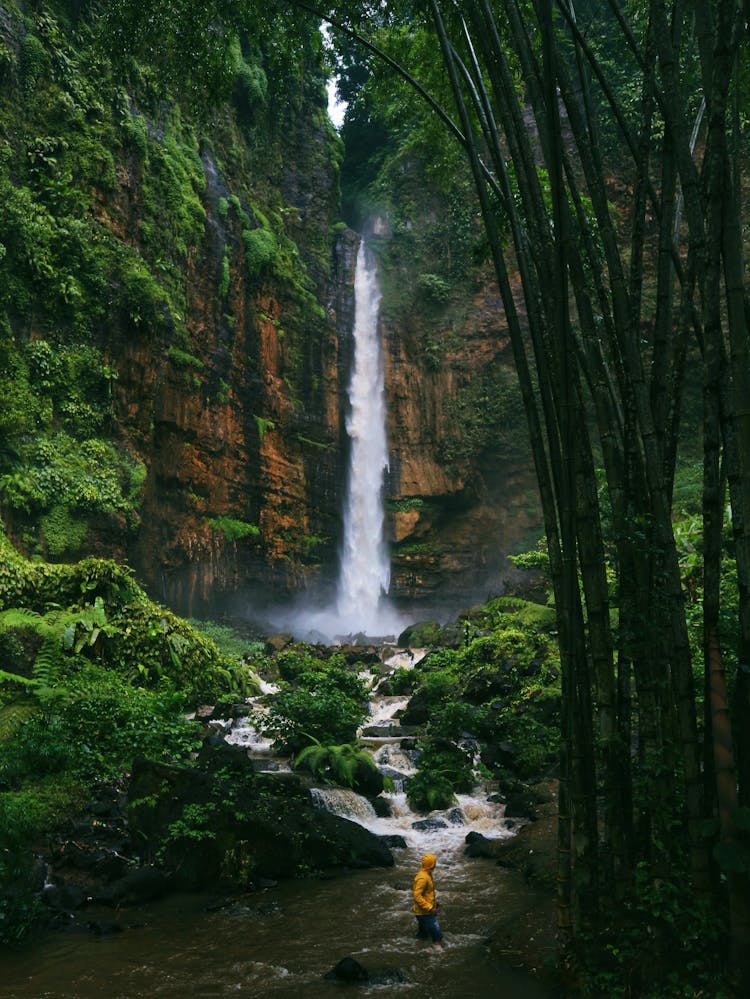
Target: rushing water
(280, 942)
(365, 568)
(361, 604)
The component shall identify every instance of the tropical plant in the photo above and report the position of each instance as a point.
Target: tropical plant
(339, 764)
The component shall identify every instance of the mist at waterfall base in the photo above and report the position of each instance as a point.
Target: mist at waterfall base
(361, 605)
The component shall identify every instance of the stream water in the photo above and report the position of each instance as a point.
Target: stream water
(281, 941)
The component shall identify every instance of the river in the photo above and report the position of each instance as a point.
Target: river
(282, 940)
(279, 942)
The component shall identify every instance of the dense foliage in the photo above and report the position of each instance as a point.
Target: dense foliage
(613, 312)
(92, 674)
(114, 191)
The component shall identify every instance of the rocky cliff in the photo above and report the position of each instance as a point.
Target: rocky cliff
(175, 334)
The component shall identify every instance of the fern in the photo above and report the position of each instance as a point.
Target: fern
(21, 619)
(339, 763)
(49, 664)
(12, 716)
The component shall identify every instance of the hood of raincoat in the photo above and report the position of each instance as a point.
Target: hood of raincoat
(428, 861)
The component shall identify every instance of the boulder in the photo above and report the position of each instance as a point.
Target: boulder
(383, 808)
(500, 755)
(367, 780)
(429, 825)
(478, 845)
(347, 970)
(456, 817)
(230, 826)
(143, 884)
(394, 842)
(418, 710)
(276, 643)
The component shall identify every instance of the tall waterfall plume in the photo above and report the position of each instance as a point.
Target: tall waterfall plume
(361, 604)
(364, 574)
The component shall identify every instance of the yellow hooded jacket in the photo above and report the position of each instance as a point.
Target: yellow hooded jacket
(424, 889)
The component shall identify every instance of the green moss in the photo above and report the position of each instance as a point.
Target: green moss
(35, 65)
(135, 132)
(183, 359)
(263, 425)
(141, 296)
(234, 530)
(225, 276)
(407, 503)
(261, 250)
(62, 532)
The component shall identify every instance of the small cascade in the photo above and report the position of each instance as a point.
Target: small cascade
(392, 747)
(345, 803)
(246, 731)
(395, 754)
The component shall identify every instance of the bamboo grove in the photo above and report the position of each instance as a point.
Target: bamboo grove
(610, 315)
(604, 330)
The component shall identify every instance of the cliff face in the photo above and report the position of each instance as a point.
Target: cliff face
(461, 493)
(175, 340)
(249, 435)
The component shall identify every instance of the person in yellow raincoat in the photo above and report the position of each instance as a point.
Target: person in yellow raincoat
(425, 906)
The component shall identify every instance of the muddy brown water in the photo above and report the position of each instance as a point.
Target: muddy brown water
(281, 941)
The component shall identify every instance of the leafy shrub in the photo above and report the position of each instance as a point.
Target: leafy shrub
(141, 296)
(21, 817)
(427, 791)
(319, 701)
(443, 769)
(298, 717)
(302, 668)
(679, 955)
(97, 729)
(62, 531)
(403, 681)
(435, 288)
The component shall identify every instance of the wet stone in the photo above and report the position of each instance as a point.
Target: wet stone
(394, 842)
(429, 825)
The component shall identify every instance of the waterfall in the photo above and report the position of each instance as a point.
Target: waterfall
(361, 604)
(364, 574)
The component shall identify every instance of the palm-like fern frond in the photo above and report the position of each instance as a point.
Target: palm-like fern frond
(12, 716)
(337, 763)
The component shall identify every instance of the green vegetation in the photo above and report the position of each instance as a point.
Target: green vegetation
(499, 687)
(319, 702)
(104, 207)
(92, 674)
(234, 530)
(337, 764)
